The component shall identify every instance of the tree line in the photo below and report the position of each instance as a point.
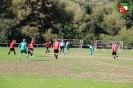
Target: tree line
(65, 19)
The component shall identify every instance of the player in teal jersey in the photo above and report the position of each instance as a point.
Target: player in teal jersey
(91, 50)
(23, 49)
(67, 48)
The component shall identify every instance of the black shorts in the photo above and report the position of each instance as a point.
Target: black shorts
(12, 49)
(62, 47)
(56, 51)
(114, 53)
(47, 48)
(30, 49)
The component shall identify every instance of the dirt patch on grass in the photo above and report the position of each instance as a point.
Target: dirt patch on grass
(75, 66)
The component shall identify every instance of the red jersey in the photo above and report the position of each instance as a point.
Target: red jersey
(56, 45)
(32, 42)
(47, 44)
(12, 44)
(30, 46)
(114, 48)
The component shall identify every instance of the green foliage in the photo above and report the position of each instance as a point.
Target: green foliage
(48, 35)
(126, 36)
(30, 31)
(78, 19)
(5, 31)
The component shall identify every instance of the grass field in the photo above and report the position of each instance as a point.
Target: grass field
(75, 71)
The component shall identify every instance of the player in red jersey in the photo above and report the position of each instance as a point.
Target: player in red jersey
(114, 51)
(31, 46)
(47, 45)
(30, 49)
(56, 48)
(32, 41)
(12, 47)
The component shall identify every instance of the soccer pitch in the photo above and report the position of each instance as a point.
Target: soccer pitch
(75, 71)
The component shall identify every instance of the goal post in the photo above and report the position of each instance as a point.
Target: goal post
(101, 44)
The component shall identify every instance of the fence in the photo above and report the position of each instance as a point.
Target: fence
(39, 45)
(79, 47)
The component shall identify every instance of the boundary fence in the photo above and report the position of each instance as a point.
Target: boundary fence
(79, 47)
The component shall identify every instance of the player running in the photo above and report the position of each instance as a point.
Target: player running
(56, 48)
(47, 45)
(12, 47)
(114, 51)
(91, 50)
(32, 41)
(32, 46)
(23, 49)
(30, 49)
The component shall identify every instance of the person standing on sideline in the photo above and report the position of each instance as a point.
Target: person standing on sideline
(67, 48)
(47, 45)
(23, 49)
(62, 45)
(91, 50)
(56, 48)
(12, 47)
(114, 51)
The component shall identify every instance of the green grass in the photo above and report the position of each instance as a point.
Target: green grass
(76, 71)
(18, 81)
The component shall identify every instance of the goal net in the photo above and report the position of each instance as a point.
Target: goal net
(100, 44)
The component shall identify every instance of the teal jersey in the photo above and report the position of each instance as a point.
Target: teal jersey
(23, 45)
(91, 48)
(67, 46)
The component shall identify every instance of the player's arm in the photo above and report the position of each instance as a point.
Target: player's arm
(26, 47)
(18, 46)
(44, 44)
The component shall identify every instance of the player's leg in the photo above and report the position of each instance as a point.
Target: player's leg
(19, 56)
(113, 54)
(117, 56)
(31, 52)
(26, 52)
(14, 51)
(68, 52)
(46, 50)
(63, 49)
(56, 54)
(9, 51)
(114, 57)
(89, 53)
